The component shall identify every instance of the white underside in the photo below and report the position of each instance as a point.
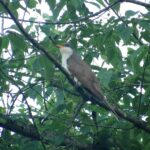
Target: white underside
(65, 65)
(64, 61)
(66, 53)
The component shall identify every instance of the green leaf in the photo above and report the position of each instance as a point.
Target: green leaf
(116, 7)
(46, 29)
(114, 56)
(52, 4)
(19, 48)
(77, 3)
(124, 32)
(13, 7)
(144, 24)
(94, 4)
(71, 11)
(1, 47)
(58, 9)
(142, 52)
(145, 35)
(105, 76)
(59, 139)
(101, 2)
(2, 120)
(130, 13)
(31, 3)
(60, 97)
(2, 110)
(147, 147)
(87, 31)
(5, 42)
(6, 135)
(136, 56)
(31, 145)
(1, 9)
(34, 91)
(42, 65)
(17, 41)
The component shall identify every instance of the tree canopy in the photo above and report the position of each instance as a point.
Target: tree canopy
(41, 106)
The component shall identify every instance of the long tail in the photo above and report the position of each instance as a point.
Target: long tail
(104, 100)
(98, 94)
(111, 109)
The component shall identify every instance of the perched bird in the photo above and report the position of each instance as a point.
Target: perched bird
(82, 72)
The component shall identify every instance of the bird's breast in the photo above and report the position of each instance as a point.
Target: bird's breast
(64, 60)
(65, 65)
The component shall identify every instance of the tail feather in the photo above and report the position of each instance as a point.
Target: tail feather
(111, 109)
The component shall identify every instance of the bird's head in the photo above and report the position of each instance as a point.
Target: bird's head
(65, 49)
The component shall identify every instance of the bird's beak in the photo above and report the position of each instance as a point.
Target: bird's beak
(60, 46)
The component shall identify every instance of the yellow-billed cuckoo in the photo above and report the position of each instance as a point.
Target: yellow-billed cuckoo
(82, 72)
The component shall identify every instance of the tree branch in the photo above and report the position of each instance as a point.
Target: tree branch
(138, 3)
(69, 22)
(12, 125)
(30, 132)
(135, 121)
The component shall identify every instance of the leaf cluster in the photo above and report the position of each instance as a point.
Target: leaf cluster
(34, 92)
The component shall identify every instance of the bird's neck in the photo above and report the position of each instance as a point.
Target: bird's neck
(65, 57)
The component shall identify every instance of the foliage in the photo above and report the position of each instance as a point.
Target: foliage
(33, 92)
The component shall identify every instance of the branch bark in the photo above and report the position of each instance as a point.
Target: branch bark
(30, 132)
(12, 125)
(135, 121)
(138, 3)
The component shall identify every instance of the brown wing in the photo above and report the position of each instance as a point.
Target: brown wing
(84, 74)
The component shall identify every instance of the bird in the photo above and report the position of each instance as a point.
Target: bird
(82, 73)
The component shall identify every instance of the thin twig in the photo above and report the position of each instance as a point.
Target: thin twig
(138, 3)
(78, 109)
(121, 19)
(30, 112)
(69, 22)
(34, 123)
